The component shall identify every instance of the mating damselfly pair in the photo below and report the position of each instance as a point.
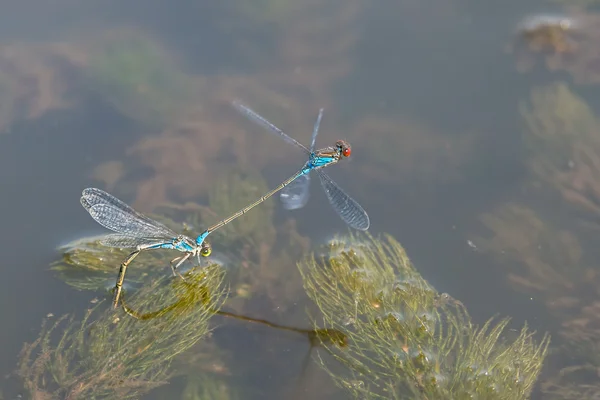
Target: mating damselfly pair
(136, 230)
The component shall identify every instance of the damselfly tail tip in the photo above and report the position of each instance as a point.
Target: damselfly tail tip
(363, 225)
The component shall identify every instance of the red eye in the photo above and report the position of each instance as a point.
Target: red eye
(346, 152)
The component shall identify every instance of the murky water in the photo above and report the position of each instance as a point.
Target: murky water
(135, 100)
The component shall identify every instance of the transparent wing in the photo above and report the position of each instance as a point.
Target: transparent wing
(316, 131)
(124, 241)
(92, 199)
(92, 196)
(347, 208)
(128, 224)
(262, 121)
(296, 194)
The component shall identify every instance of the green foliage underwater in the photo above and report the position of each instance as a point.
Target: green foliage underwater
(404, 339)
(386, 332)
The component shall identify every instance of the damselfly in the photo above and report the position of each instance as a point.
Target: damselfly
(295, 190)
(135, 230)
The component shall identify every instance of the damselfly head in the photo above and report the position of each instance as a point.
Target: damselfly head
(205, 249)
(344, 148)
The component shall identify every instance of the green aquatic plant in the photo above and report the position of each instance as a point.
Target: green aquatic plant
(104, 356)
(260, 270)
(204, 383)
(551, 264)
(206, 387)
(406, 340)
(517, 234)
(234, 189)
(561, 138)
(573, 383)
(137, 76)
(86, 264)
(548, 260)
(205, 372)
(556, 120)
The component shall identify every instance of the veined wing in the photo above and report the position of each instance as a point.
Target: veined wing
(296, 194)
(124, 241)
(262, 121)
(128, 224)
(347, 208)
(316, 131)
(92, 198)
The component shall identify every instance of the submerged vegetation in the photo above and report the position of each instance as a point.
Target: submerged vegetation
(88, 265)
(139, 78)
(104, 356)
(161, 306)
(563, 145)
(565, 42)
(548, 256)
(542, 35)
(406, 340)
(390, 334)
(551, 264)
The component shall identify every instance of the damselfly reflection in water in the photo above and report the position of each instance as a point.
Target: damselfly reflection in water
(295, 190)
(136, 230)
